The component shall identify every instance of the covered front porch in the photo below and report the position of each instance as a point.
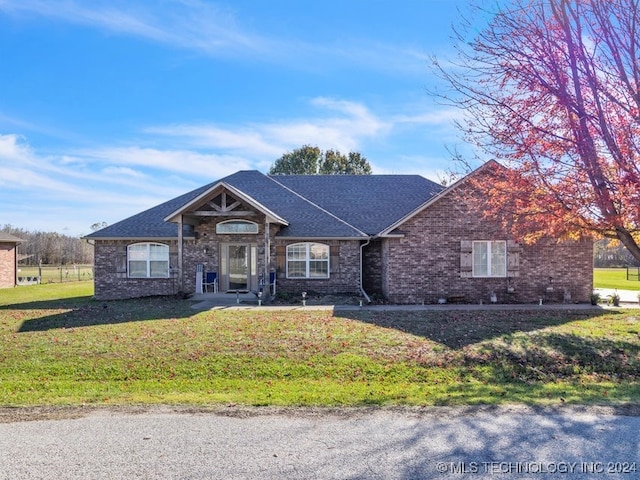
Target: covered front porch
(232, 240)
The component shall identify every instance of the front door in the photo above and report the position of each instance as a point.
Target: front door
(238, 267)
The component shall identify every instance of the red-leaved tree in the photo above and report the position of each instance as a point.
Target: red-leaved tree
(551, 89)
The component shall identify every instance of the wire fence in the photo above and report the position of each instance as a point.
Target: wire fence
(30, 275)
(633, 273)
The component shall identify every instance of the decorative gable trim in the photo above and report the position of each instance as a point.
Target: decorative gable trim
(225, 209)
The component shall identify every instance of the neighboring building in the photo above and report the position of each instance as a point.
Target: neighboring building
(401, 237)
(8, 260)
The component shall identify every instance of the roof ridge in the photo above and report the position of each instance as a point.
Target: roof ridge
(316, 205)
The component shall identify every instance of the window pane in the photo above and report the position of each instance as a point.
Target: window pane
(137, 268)
(237, 226)
(297, 269)
(480, 259)
(318, 251)
(158, 252)
(498, 259)
(297, 252)
(319, 269)
(138, 252)
(159, 268)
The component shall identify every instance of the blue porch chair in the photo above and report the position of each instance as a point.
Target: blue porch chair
(210, 281)
(272, 283)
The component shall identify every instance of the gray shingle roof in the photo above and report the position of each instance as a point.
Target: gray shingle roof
(368, 202)
(305, 219)
(315, 206)
(150, 223)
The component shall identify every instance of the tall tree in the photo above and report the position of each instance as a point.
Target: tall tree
(309, 160)
(551, 88)
(301, 161)
(334, 163)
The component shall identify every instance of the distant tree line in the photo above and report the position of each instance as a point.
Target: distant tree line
(50, 248)
(609, 253)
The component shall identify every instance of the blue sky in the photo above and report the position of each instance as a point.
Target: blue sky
(111, 107)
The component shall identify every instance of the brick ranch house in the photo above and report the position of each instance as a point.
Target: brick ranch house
(8, 260)
(401, 237)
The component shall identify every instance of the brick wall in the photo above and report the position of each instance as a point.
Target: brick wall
(373, 268)
(425, 265)
(7, 264)
(110, 273)
(344, 268)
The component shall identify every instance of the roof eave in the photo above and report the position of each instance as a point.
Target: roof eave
(297, 237)
(139, 238)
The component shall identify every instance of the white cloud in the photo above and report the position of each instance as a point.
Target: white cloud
(186, 162)
(193, 24)
(246, 140)
(444, 116)
(12, 148)
(210, 29)
(123, 172)
(351, 125)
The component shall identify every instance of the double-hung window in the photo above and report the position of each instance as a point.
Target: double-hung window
(308, 260)
(490, 258)
(148, 260)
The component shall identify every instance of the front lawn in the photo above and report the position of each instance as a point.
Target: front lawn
(615, 278)
(78, 351)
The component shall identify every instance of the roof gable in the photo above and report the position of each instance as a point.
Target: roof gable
(219, 189)
(491, 164)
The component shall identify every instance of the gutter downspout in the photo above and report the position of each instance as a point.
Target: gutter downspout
(267, 258)
(364, 294)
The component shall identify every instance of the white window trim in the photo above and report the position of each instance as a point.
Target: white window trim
(308, 260)
(247, 222)
(148, 259)
(488, 243)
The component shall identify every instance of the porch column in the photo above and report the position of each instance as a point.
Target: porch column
(180, 263)
(267, 253)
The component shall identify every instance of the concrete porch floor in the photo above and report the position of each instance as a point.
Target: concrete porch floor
(223, 299)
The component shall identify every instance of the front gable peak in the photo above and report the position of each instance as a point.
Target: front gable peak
(222, 200)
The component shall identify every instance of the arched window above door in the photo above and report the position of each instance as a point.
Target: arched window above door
(237, 227)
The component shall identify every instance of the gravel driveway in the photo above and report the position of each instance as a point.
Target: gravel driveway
(247, 443)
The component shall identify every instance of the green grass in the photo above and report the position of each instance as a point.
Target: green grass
(82, 291)
(75, 350)
(613, 278)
